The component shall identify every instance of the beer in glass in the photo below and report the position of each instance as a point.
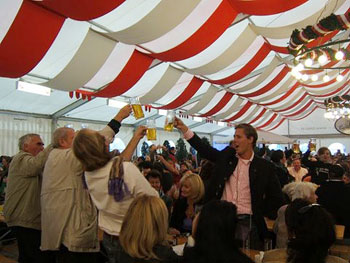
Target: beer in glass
(151, 130)
(136, 108)
(169, 121)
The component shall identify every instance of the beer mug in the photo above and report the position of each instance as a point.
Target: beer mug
(312, 145)
(296, 148)
(151, 130)
(136, 108)
(169, 120)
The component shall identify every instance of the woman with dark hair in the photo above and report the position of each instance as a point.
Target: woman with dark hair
(214, 234)
(278, 158)
(320, 169)
(311, 233)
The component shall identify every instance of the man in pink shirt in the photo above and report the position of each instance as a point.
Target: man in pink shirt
(242, 178)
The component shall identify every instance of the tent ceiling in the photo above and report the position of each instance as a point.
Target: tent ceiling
(219, 59)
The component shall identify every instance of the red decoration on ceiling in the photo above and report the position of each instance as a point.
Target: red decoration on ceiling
(189, 91)
(259, 116)
(270, 85)
(274, 116)
(294, 104)
(222, 103)
(210, 31)
(131, 73)
(261, 7)
(275, 127)
(241, 111)
(303, 109)
(81, 9)
(247, 68)
(283, 97)
(28, 39)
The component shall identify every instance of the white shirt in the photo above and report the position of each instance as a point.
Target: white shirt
(111, 212)
(297, 175)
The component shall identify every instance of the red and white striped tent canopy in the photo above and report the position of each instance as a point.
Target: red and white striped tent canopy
(221, 60)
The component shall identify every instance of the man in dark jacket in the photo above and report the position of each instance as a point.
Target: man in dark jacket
(334, 195)
(242, 178)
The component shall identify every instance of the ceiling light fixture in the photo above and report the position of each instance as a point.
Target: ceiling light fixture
(33, 88)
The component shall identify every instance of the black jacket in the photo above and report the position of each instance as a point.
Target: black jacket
(334, 195)
(265, 189)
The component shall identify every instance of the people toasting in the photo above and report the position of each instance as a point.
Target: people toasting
(242, 178)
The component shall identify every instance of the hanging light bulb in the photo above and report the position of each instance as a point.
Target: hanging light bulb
(300, 67)
(294, 71)
(314, 77)
(304, 77)
(322, 59)
(339, 55)
(340, 78)
(298, 75)
(308, 62)
(326, 78)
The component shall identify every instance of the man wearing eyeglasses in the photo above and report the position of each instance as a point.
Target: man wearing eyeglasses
(22, 200)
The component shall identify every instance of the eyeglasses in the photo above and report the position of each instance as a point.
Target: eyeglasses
(305, 209)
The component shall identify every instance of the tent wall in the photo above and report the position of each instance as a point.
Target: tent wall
(12, 127)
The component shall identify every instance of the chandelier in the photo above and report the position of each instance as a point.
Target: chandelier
(333, 55)
(337, 107)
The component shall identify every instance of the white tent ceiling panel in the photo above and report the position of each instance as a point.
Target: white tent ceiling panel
(62, 51)
(8, 12)
(184, 29)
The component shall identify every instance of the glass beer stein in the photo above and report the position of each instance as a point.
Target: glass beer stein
(169, 121)
(136, 108)
(296, 148)
(151, 130)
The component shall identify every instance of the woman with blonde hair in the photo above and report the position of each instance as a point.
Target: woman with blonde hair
(191, 193)
(112, 182)
(143, 233)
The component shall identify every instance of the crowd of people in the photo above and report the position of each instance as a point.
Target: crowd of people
(57, 199)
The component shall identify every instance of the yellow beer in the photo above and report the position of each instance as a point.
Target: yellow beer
(169, 127)
(151, 134)
(312, 147)
(138, 112)
(296, 148)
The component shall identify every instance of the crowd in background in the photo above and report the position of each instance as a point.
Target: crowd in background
(57, 198)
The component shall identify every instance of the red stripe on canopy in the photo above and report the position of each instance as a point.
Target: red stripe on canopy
(249, 67)
(81, 9)
(306, 114)
(294, 104)
(274, 116)
(279, 124)
(270, 85)
(210, 31)
(262, 8)
(131, 73)
(332, 92)
(286, 95)
(259, 116)
(241, 111)
(307, 105)
(189, 91)
(222, 103)
(278, 49)
(28, 39)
